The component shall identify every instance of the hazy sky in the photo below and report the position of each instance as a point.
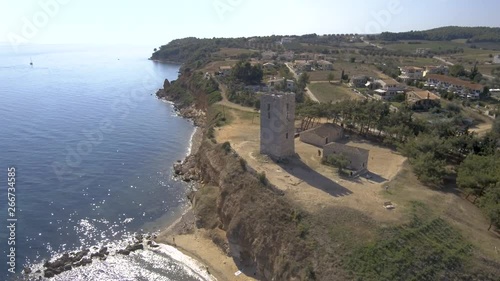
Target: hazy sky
(156, 22)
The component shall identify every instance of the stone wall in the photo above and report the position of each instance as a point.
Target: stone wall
(322, 135)
(358, 157)
(277, 129)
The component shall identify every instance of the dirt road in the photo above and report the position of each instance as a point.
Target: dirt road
(307, 91)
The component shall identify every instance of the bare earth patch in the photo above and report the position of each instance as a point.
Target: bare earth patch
(316, 187)
(312, 185)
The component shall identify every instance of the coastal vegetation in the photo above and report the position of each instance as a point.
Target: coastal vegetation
(448, 33)
(438, 151)
(287, 241)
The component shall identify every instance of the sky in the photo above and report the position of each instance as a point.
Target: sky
(156, 22)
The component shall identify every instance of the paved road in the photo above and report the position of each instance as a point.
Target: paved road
(307, 91)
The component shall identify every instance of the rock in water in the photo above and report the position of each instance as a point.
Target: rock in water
(48, 273)
(166, 84)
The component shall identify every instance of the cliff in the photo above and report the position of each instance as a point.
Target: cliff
(263, 231)
(268, 234)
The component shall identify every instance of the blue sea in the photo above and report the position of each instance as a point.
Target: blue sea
(93, 151)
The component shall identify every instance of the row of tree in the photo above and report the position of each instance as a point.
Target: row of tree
(435, 149)
(448, 33)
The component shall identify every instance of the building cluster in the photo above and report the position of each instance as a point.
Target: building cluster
(277, 134)
(432, 79)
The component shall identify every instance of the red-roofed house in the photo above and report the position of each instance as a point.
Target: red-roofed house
(458, 86)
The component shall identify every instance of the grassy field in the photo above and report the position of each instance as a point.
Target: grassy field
(350, 69)
(422, 249)
(437, 234)
(418, 61)
(432, 45)
(326, 92)
(214, 66)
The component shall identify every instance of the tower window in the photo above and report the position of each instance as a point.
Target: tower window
(287, 111)
(269, 115)
(286, 135)
(268, 106)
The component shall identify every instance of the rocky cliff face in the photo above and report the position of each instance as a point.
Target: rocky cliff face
(188, 99)
(262, 229)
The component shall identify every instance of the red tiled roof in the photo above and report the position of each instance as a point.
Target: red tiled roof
(426, 94)
(455, 81)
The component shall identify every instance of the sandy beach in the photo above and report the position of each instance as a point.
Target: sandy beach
(196, 243)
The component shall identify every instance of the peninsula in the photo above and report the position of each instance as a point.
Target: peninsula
(341, 157)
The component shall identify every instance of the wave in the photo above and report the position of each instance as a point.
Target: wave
(163, 263)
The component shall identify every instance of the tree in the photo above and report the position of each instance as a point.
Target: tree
(338, 160)
(428, 169)
(352, 60)
(303, 80)
(244, 72)
(330, 77)
(457, 70)
(495, 130)
(496, 71)
(485, 93)
(490, 204)
(477, 173)
(154, 50)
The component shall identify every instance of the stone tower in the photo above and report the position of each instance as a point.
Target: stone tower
(277, 129)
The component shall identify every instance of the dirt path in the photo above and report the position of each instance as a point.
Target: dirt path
(314, 187)
(309, 183)
(227, 103)
(482, 128)
(451, 64)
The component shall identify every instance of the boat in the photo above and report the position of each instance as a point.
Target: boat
(31, 62)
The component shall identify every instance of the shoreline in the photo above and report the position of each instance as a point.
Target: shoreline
(167, 61)
(183, 234)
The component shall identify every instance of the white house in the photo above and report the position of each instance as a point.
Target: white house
(496, 59)
(359, 81)
(462, 88)
(411, 73)
(286, 40)
(302, 65)
(268, 55)
(325, 65)
(387, 89)
(288, 55)
(433, 69)
(273, 83)
(225, 70)
(422, 51)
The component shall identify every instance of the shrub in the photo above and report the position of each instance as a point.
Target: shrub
(214, 97)
(453, 108)
(243, 164)
(211, 133)
(226, 146)
(263, 178)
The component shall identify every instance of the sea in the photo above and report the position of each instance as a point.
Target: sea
(90, 150)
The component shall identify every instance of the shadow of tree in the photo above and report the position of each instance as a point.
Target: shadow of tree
(374, 177)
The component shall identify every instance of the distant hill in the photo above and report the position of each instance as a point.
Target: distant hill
(447, 33)
(194, 52)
